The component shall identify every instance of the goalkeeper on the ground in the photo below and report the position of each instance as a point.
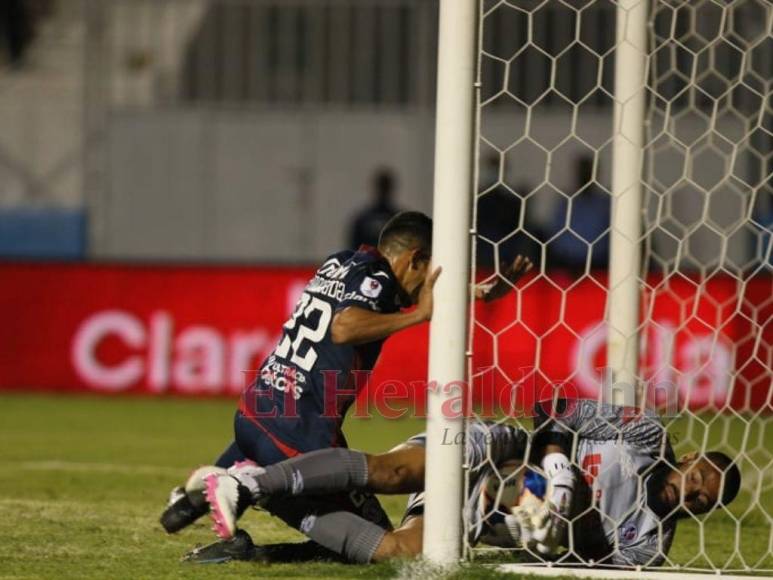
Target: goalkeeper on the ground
(614, 500)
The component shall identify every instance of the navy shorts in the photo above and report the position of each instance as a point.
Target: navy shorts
(254, 443)
(250, 443)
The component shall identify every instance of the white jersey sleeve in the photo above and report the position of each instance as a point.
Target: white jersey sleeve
(587, 419)
(491, 444)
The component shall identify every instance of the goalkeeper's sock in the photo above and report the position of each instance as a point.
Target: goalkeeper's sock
(318, 472)
(345, 533)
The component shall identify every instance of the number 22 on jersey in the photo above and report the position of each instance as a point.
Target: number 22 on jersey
(299, 321)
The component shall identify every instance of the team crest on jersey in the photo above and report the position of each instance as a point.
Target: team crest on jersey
(628, 533)
(370, 287)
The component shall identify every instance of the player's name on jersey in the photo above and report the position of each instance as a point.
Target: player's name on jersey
(330, 288)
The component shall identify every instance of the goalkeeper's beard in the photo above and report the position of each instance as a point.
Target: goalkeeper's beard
(655, 487)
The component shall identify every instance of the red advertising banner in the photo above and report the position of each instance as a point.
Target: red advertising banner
(199, 330)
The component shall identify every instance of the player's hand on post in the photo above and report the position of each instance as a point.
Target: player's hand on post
(509, 276)
(424, 304)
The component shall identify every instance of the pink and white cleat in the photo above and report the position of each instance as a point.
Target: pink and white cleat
(228, 499)
(195, 485)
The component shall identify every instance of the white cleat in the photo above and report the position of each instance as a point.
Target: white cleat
(247, 472)
(195, 486)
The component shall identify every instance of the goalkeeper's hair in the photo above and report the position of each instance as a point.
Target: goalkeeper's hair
(408, 230)
(731, 475)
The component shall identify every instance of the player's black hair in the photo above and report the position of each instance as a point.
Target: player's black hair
(732, 475)
(407, 230)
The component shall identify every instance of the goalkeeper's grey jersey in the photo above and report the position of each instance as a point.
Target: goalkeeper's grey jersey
(617, 474)
(617, 450)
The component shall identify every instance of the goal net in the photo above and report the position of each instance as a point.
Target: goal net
(549, 118)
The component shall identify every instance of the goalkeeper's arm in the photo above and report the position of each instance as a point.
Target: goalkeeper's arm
(507, 276)
(551, 522)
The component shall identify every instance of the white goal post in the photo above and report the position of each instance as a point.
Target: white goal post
(625, 228)
(454, 138)
(625, 146)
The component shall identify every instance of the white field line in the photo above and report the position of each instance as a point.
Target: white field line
(553, 571)
(84, 466)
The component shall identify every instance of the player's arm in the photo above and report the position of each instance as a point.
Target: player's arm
(356, 325)
(506, 280)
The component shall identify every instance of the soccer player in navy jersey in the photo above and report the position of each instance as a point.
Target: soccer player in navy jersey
(303, 389)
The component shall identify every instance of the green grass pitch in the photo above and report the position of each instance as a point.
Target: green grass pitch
(84, 479)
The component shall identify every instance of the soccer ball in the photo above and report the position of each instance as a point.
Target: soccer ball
(514, 487)
(502, 491)
(510, 503)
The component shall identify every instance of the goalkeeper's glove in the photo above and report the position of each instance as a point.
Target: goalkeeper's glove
(519, 522)
(551, 520)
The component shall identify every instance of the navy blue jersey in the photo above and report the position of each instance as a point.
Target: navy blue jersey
(308, 382)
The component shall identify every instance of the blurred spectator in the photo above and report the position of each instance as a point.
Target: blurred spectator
(367, 223)
(762, 214)
(15, 29)
(586, 228)
(498, 218)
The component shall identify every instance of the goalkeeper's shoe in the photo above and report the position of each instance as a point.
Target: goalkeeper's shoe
(228, 499)
(187, 504)
(240, 547)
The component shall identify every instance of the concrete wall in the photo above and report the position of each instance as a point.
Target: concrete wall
(206, 185)
(196, 185)
(213, 183)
